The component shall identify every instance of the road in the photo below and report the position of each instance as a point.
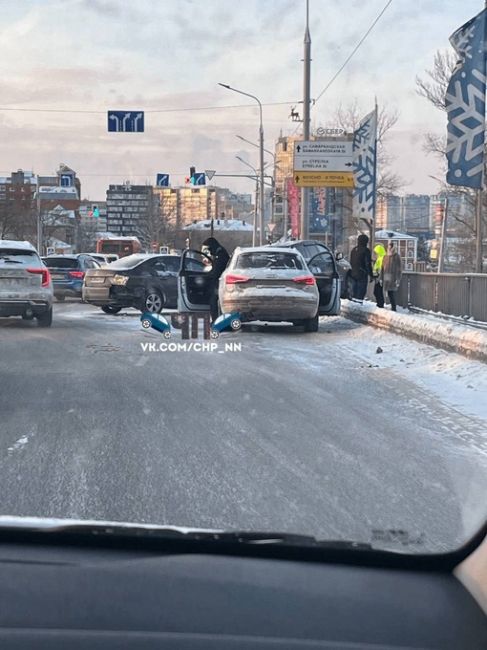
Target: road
(296, 432)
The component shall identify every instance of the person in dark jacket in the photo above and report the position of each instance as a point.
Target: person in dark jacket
(361, 271)
(219, 259)
(391, 273)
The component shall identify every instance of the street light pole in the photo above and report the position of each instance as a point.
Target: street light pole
(261, 146)
(306, 120)
(254, 234)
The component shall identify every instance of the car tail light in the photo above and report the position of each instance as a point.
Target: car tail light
(78, 275)
(235, 279)
(46, 277)
(305, 279)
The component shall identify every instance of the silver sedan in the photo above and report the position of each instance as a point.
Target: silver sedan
(270, 284)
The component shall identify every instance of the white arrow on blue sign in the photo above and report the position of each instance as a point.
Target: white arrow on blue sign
(126, 121)
(162, 180)
(199, 178)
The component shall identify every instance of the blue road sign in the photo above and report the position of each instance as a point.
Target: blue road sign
(199, 178)
(126, 121)
(66, 180)
(162, 180)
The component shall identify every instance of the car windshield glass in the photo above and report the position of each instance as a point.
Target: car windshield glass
(268, 260)
(61, 262)
(342, 399)
(16, 256)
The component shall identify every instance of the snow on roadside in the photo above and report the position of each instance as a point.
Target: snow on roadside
(452, 378)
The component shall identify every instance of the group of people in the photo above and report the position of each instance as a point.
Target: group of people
(385, 271)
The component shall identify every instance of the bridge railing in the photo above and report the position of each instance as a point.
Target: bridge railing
(455, 294)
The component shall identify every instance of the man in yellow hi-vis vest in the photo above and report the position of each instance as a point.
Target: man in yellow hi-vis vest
(380, 253)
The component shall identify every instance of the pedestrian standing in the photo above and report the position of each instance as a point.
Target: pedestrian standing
(391, 274)
(361, 271)
(380, 252)
(219, 259)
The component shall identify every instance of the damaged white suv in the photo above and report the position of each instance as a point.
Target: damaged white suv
(25, 283)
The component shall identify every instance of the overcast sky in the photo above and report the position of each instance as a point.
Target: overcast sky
(169, 54)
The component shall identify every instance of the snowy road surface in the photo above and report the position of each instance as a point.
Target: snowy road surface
(313, 433)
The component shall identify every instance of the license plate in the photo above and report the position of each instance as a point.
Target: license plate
(57, 276)
(97, 280)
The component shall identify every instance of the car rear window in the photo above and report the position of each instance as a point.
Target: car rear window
(129, 262)
(268, 260)
(19, 256)
(61, 262)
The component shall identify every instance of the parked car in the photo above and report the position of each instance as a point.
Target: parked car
(309, 248)
(102, 258)
(68, 272)
(265, 283)
(25, 283)
(144, 281)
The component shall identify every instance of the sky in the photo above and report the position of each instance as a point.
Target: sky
(169, 55)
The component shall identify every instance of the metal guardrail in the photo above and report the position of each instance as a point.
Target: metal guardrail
(456, 294)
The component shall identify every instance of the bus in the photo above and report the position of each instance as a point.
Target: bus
(121, 246)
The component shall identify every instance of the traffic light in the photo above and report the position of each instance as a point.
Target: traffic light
(192, 172)
(96, 211)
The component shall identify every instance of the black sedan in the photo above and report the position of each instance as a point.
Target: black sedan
(146, 282)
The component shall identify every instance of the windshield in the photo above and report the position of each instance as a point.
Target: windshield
(229, 371)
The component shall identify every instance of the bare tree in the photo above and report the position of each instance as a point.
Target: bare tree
(433, 88)
(17, 222)
(160, 222)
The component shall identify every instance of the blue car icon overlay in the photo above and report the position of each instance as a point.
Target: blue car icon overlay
(231, 321)
(157, 322)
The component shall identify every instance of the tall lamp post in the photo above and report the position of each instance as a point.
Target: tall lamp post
(261, 147)
(254, 235)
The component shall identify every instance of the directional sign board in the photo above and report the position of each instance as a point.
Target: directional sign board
(199, 178)
(126, 121)
(323, 179)
(323, 156)
(162, 180)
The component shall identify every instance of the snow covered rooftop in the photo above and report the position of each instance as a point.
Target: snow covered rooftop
(52, 191)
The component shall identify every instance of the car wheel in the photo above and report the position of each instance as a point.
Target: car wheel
(167, 334)
(60, 298)
(45, 319)
(153, 302)
(312, 324)
(111, 309)
(146, 324)
(214, 334)
(236, 324)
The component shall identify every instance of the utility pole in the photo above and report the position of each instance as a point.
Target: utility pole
(306, 120)
(441, 260)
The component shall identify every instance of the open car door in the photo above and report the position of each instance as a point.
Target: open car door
(323, 267)
(195, 282)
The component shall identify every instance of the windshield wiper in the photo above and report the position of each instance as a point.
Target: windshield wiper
(173, 533)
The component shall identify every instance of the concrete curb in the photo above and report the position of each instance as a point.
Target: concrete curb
(448, 336)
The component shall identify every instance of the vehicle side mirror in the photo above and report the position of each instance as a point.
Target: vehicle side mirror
(338, 256)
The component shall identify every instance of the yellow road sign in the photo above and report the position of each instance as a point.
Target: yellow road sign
(323, 179)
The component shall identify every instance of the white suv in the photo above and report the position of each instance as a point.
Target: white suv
(25, 283)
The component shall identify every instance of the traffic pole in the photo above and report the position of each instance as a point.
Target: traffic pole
(304, 234)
